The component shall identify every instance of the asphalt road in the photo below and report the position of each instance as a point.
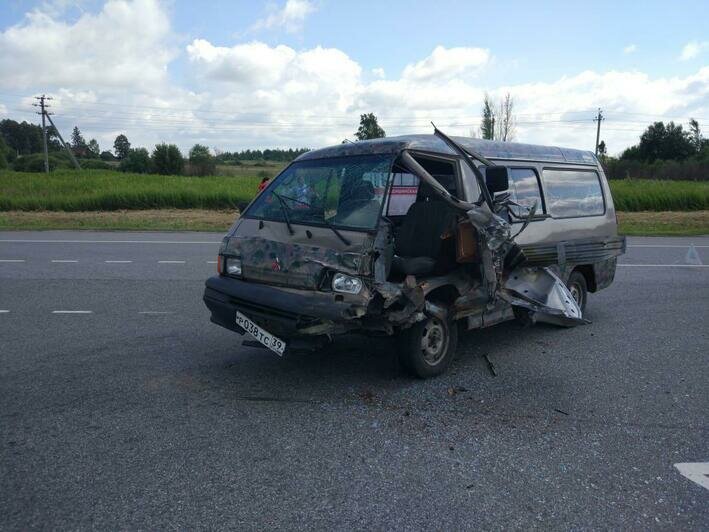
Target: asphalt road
(139, 413)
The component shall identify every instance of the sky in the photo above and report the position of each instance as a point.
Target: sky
(298, 73)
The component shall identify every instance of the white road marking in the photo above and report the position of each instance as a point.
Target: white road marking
(118, 261)
(211, 262)
(107, 241)
(665, 265)
(665, 246)
(4, 311)
(696, 472)
(171, 262)
(62, 261)
(72, 312)
(12, 260)
(155, 312)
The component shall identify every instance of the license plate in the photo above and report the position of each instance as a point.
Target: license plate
(274, 343)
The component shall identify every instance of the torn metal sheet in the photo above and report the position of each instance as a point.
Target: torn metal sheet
(542, 292)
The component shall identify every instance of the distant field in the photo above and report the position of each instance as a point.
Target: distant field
(650, 195)
(107, 190)
(259, 169)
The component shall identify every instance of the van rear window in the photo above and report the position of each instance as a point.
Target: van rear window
(571, 193)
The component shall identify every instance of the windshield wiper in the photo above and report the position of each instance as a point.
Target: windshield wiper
(284, 208)
(296, 200)
(345, 241)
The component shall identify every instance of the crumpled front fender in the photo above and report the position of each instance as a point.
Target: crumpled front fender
(542, 292)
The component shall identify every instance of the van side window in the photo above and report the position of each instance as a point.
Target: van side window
(572, 193)
(404, 189)
(524, 189)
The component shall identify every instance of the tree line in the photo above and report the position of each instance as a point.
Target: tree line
(664, 151)
(21, 148)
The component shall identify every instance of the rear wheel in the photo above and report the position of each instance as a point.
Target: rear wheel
(579, 289)
(427, 348)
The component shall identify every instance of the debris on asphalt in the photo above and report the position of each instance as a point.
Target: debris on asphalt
(453, 390)
(490, 365)
(367, 396)
(561, 412)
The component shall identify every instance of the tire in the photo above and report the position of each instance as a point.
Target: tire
(578, 288)
(441, 339)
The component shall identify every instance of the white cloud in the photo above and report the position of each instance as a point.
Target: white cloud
(631, 48)
(123, 45)
(692, 49)
(290, 17)
(447, 63)
(108, 73)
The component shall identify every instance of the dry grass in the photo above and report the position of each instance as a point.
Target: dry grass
(667, 223)
(631, 223)
(162, 219)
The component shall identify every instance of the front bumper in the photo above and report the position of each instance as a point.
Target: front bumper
(285, 312)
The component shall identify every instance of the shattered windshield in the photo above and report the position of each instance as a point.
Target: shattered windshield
(345, 192)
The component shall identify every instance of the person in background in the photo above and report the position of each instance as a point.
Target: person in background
(263, 184)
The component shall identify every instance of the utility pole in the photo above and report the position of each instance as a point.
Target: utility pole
(43, 111)
(599, 118)
(45, 114)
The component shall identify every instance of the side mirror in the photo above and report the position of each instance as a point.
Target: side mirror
(497, 179)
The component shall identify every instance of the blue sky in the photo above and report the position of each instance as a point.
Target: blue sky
(270, 65)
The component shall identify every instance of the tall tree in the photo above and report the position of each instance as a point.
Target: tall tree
(201, 161)
(369, 128)
(23, 138)
(94, 150)
(665, 142)
(121, 146)
(77, 139)
(487, 125)
(167, 159)
(136, 161)
(505, 123)
(695, 134)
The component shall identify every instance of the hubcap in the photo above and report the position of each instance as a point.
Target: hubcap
(434, 341)
(575, 290)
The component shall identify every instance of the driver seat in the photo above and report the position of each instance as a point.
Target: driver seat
(418, 242)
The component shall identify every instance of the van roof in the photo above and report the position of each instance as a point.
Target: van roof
(490, 149)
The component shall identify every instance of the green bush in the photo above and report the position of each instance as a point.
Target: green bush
(137, 161)
(688, 170)
(3, 154)
(35, 163)
(167, 160)
(93, 164)
(201, 161)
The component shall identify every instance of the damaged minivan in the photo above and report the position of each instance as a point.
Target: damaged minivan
(420, 237)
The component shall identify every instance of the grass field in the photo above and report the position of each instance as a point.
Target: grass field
(648, 195)
(105, 190)
(104, 199)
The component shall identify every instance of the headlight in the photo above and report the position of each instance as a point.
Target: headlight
(232, 266)
(345, 283)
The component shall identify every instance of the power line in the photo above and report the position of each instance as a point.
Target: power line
(43, 111)
(598, 121)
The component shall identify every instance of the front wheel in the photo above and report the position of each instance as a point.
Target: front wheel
(427, 348)
(578, 289)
